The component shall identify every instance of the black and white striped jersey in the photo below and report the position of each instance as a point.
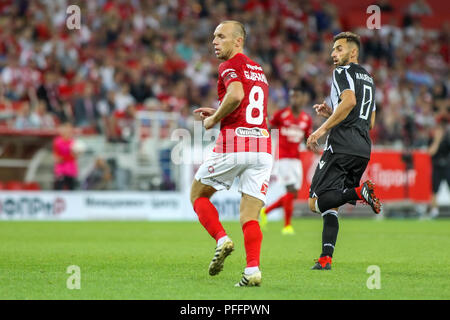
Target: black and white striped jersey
(351, 136)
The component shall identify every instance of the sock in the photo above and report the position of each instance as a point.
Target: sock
(251, 270)
(329, 233)
(252, 242)
(222, 240)
(275, 205)
(209, 217)
(336, 198)
(288, 205)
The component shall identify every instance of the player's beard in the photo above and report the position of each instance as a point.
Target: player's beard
(344, 61)
(224, 54)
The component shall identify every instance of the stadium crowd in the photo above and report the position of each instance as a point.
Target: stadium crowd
(157, 55)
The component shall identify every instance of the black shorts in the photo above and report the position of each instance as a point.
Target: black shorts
(64, 183)
(337, 171)
(440, 173)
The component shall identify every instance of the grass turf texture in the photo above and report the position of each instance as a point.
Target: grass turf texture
(169, 260)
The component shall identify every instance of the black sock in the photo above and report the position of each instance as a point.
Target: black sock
(329, 234)
(336, 198)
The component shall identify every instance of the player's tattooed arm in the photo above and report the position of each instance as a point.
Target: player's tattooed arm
(348, 102)
(231, 100)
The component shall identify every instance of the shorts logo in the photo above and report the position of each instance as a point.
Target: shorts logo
(211, 169)
(252, 132)
(321, 164)
(264, 187)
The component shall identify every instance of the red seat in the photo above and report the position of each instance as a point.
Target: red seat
(33, 185)
(14, 185)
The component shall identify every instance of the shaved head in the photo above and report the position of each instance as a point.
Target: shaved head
(238, 29)
(229, 38)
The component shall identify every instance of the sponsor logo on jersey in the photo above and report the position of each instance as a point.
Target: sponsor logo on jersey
(321, 164)
(293, 132)
(211, 169)
(252, 132)
(251, 67)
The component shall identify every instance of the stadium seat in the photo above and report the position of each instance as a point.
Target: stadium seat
(32, 186)
(14, 185)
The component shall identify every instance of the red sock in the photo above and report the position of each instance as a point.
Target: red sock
(275, 205)
(209, 217)
(252, 241)
(288, 205)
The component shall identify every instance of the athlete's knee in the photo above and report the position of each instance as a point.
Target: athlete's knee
(199, 190)
(249, 208)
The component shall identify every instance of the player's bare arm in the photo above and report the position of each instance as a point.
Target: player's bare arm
(323, 110)
(437, 138)
(348, 102)
(372, 120)
(231, 100)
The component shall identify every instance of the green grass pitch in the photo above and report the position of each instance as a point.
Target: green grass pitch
(169, 260)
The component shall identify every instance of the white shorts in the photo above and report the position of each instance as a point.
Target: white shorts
(252, 168)
(289, 172)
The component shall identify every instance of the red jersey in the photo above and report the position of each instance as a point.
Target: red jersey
(293, 130)
(244, 129)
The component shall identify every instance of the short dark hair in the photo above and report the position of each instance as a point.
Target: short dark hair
(238, 28)
(350, 37)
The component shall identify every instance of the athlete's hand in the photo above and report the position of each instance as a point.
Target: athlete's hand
(323, 109)
(205, 112)
(313, 140)
(209, 122)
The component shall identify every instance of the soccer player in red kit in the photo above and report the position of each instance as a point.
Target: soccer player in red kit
(294, 127)
(243, 149)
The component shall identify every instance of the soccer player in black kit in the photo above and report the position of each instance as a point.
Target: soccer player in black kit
(347, 148)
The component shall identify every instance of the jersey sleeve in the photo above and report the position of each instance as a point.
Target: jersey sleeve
(342, 80)
(228, 73)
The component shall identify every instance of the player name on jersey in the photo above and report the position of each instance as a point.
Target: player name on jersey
(364, 77)
(255, 76)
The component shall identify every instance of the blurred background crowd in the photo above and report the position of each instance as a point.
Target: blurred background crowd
(157, 55)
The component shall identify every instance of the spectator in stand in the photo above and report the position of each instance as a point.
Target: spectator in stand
(124, 123)
(100, 177)
(24, 119)
(153, 46)
(123, 99)
(385, 6)
(85, 109)
(106, 109)
(48, 91)
(65, 167)
(420, 8)
(41, 118)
